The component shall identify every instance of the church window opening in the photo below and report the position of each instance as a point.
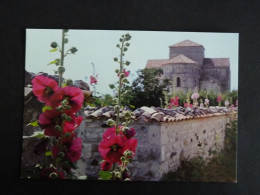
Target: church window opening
(178, 82)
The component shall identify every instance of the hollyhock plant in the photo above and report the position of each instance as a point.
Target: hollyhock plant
(46, 90)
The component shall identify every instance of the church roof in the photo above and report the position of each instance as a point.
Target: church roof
(217, 62)
(186, 43)
(155, 63)
(180, 59)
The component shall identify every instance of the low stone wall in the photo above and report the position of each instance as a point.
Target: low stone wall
(161, 146)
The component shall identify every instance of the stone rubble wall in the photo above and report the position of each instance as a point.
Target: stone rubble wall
(161, 146)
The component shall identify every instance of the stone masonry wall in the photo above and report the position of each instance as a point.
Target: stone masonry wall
(161, 146)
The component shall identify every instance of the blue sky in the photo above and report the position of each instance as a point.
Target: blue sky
(99, 47)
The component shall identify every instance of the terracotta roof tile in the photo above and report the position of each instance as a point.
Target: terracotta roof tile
(146, 114)
(186, 43)
(216, 62)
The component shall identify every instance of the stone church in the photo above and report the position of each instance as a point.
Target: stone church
(188, 69)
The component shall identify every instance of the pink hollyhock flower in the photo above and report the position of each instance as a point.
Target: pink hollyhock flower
(219, 98)
(126, 73)
(195, 96)
(169, 106)
(106, 166)
(74, 151)
(93, 80)
(186, 105)
(48, 172)
(75, 97)
(206, 101)
(46, 90)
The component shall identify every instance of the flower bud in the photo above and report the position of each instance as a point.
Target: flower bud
(124, 124)
(111, 122)
(117, 71)
(66, 40)
(116, 108)
(117, 45)
(127, 44)
(115, 59)
(61, 69)
(54, 44)
(125, 49)
(121, 40)
(57, 127)
(68, 118)
(53, 175)
(61, 154)
(127, 114)
(112, 86)
(67, 134)
(122, 75)
(64, 116)
(73, 50)
(127, 63)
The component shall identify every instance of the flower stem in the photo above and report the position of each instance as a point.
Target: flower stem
(62, 57)
(120, 84)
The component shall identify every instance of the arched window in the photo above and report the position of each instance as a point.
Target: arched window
(178, 82)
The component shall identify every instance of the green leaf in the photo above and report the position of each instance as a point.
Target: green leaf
(105, 175)
(39, 135)
(52, 62)
(48, 153)
(132, 106)
(46, 108)
(34, 124)
(53, 50)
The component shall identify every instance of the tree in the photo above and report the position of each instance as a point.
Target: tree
(146, 89)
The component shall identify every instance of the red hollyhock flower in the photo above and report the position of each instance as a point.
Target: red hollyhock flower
(46, 173)
(48, 120)
(46, 90)
(112, 131)
(219, 98)
(113, 147)
(93, 80)
(106, 166)
(75, 97)
(75, 149)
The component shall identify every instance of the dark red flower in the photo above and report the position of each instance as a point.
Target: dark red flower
(75, 97)
(106, 166)
(51, 173)
(46, 90)
(74, 151)
(129, 133)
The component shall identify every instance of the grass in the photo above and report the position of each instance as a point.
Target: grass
(220, 169)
